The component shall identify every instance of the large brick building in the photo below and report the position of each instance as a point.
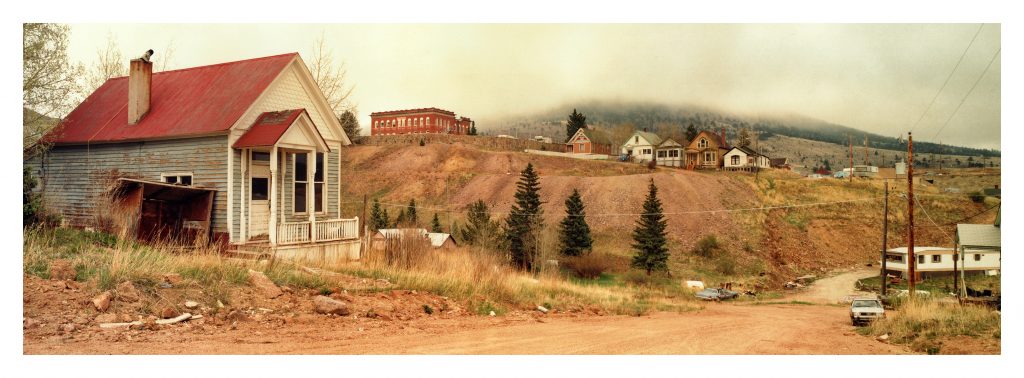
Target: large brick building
(418, 121)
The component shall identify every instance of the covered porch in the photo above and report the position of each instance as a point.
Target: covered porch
(283, 187)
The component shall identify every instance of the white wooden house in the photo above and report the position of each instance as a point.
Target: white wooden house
(745, 158)
(670, 153)
(640, 146)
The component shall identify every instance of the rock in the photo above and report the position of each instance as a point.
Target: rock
(126, 318)
(29, 323)
(191, 304)
(264, 284)
(883, 338)
(106, 318)
(492, 313)
(127, 292)
(542, 309)
(67, 327)
(220, 304)
(102, 302)
(234, 325)
(168, 312)
(61, 269)
(172, 278)
(236, 315)
(325, 305)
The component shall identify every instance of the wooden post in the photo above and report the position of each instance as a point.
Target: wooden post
(956, 279)
(885, 236)
(851, 157)
(243, 224)
(362, 232)
(273, 196)
(912, 263)
(311, 193)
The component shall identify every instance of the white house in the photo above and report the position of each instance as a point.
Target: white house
(640, 146)
(745, 158)
(670, 153)
(938, 261)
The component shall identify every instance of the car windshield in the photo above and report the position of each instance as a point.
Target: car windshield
(865, 304)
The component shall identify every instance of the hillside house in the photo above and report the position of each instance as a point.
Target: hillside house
(706, 151)
(745, 159)
(640, 146)
(780, 163)
(245, 154)
(670, 153)
(589, 141)
(419, 121)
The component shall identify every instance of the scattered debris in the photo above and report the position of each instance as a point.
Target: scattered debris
(168, 312)
(151, 322)
(260, 281)
(220, 304)
(492, 313)
(804, 280)
(62, 270)
(542, 309)
(191, 304)
(883, 338)
(102, 302)
(326, 305)
(696, 285)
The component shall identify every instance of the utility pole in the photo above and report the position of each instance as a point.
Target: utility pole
(885, 236)
(912, 261)
(851, 157)
(956, 278)
(362, 232)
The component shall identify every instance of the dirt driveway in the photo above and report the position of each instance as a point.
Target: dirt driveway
(719, 329)
(831, 290)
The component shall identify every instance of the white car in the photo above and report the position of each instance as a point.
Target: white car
(865, 310)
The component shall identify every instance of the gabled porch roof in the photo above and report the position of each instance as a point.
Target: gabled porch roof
(276, 128)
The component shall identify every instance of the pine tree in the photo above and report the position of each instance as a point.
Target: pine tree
(350, 125)
(649, 236)
(479, 229)
(378, 216)
(410, 213)
(744, 138)
(400, 220)
(574, 230)
(472, 129)
(576, 121)
(435, 225)
(691, 133)
(524, 220)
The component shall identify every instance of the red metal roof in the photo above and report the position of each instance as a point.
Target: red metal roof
(268, 128)
(192, 101)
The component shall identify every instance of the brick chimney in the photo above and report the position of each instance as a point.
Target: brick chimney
(140, 85)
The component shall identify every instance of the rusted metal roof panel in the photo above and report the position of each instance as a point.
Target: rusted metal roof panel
(192, 101)
(268, 128)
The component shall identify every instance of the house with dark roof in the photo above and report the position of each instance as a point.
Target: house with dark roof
(743, 158)
(245, 154)
(669, 153)
(589, 141)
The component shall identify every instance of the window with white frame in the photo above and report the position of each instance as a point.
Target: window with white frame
(178, 178)
(673, 153)
(661, 154)
(735, 160)
(977, 257)
(920, 259)
(709, 157)
(936, 258)
(703, 143)
(647, 151)
(300, 182)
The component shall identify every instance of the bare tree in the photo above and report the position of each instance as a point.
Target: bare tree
(110, 63)
(163, 62)
(48, 78)
(330, 78)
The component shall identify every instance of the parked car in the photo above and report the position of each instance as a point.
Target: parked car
(865, 310)
(714, 294)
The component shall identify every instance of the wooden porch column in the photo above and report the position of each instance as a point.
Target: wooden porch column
(310, 193)
(273, 196)
(243, 224)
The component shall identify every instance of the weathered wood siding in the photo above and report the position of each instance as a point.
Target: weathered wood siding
(73, 178)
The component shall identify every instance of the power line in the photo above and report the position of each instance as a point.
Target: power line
(951, 240)
(950, 76)
(968, 93)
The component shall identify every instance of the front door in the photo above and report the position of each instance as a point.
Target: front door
(259, 194)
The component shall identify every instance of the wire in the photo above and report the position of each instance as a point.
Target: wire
(951, 240)
(950, 76)
(968, 93)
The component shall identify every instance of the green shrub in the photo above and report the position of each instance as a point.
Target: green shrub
(706, 246)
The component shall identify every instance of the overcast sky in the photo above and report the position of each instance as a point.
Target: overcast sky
(878, 78)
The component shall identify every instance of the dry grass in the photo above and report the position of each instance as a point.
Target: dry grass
(924, 323)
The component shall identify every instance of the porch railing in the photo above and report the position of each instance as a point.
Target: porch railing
(337, 229)
(326, 230)
(292, 233)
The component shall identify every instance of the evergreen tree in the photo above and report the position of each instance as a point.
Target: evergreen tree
(378, 216)
(524, 220)
(410, 213)
(472, 129)
(479, 229)
(400, 220)
(435, 225)
(574, 230)
(744, 138)
(649, 236)
(350, 124)
(576, 121)
(691, 133)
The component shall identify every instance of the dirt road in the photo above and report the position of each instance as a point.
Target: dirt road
(719, 329)
(831, 290)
